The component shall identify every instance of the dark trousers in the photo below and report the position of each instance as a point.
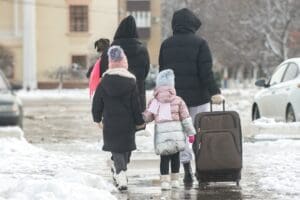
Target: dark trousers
(165, 163)
(120, 161)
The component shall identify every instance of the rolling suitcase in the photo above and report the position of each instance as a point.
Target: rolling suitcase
(218, 146)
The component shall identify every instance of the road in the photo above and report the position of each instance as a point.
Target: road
(271, 168)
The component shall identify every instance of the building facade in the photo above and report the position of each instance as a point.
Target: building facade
(147, 14)
(48, 35)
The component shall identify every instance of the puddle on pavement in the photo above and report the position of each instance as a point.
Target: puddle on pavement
(154, 192)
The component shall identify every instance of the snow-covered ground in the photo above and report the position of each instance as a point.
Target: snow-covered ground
(28, 172)
(71, 165)
(271, 169)
(276, 166)
(67, 94)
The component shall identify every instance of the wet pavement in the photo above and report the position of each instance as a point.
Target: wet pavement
(65, 127)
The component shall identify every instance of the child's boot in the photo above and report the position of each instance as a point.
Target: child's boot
(122, 180)
(188, 173)
(165, 182)
(175, 180)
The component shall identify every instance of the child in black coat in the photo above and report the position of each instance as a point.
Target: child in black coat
(116, 103)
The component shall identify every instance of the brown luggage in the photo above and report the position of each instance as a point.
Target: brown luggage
(218, 146)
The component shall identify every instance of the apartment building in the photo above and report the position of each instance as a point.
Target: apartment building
(47, 35)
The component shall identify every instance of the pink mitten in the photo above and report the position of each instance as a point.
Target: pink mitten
(191, 139)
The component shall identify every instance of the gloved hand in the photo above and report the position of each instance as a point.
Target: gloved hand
(217, 99)
(140, 127)
(191, 139)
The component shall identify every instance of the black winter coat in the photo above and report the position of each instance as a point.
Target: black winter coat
(190, 58)
(116, 103)
(137, 55)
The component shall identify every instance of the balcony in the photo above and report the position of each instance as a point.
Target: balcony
(140, 10)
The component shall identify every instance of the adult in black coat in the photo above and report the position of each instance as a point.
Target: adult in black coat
(190, 58)
(126, 36)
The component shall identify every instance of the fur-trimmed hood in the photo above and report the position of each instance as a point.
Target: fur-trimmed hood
(120, 72)
(118, 82)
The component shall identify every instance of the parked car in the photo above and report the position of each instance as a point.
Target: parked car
(11, 109)
(280, 98)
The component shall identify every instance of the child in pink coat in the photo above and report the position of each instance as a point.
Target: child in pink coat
(172, 124)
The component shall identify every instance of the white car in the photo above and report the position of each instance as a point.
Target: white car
(280, 98)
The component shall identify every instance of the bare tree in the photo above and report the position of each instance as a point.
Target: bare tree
(245, 36)
(168, 7)
(275, 20)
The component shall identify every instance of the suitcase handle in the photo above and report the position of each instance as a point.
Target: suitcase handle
(211, 107)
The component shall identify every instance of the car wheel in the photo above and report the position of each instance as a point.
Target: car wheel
(255, 113)
(290, 114)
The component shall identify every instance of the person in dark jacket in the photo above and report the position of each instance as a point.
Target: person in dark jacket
(190, 58)
(126, 36)
(100, 45)
(116, 104)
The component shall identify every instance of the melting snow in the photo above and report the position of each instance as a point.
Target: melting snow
(29, 172)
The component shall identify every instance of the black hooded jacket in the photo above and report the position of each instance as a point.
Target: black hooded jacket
(137, 55)
(117, 103)
(190, 58)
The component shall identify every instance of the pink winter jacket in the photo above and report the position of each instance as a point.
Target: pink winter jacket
(167, 94)
(170, 135)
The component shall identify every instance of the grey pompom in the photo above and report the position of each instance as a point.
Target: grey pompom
(115, 53)
(165, 78)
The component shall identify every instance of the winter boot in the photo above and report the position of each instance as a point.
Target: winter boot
(165, 182)
(121, 179)
(188, 174)
(175, 180)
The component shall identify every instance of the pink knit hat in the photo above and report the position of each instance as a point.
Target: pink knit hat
(117, 58)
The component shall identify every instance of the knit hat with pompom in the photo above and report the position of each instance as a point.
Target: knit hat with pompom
(117, 57)
(165, 78)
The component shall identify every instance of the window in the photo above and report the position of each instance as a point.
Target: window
(79, 20)
(143, 18)
(291, 72)
(277, 76)
(79, 60)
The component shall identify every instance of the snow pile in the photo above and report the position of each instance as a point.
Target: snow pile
(281, 163)
(29, 172)
(74, 94)
(267, 128)
(11, 131)
(67, 184)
